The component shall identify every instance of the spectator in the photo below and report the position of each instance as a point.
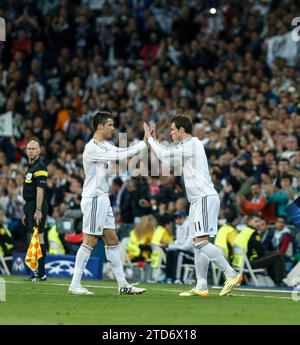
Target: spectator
(179, 252)
(257, 202)
(139, 245)
(250, 241)
(259, 167)
(282, 241)
(161, 237)
(6, 240)
(227, 234)
(266, 234)
(281, 197)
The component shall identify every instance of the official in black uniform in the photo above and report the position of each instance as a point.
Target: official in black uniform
(36, 207)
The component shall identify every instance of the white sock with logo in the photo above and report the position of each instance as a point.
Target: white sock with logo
(215, 254)
(113, 256)
(82, 258)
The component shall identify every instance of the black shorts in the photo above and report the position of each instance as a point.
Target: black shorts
(29, 211)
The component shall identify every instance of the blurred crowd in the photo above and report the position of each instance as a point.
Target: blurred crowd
(145, 61)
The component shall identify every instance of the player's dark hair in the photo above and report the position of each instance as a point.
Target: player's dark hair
(184, 122)
(100, 118)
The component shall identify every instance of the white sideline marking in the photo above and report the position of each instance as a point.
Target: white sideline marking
(255, 290)
(166, 290)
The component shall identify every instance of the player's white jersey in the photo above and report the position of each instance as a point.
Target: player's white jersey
(96, 158)
(190, 155)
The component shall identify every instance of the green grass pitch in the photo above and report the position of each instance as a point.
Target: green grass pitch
(49, 303)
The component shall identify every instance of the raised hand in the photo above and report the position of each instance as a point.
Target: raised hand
(153, 131)
(147, 134)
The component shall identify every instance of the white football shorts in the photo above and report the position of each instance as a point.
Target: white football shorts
(97, 215)
(203, 216)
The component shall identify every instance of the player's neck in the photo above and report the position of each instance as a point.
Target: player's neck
(185, 137)
(98, 136)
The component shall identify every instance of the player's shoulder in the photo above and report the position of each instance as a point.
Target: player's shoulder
(95, 144)
(196, 140)
(191, 141)
(41, 165)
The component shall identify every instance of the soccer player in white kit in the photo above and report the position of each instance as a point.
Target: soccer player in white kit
(98, 218)
(204, 200)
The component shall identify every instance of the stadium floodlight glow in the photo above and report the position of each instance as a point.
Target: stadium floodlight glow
(213, 10)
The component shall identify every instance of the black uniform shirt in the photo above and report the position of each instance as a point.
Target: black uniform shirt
(255, 246)
(36, 176)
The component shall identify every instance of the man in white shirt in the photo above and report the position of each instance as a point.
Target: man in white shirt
(98, 218)
(189, 154)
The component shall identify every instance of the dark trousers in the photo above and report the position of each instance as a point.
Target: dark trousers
(274, 263)
(175, 260)
(29, 211)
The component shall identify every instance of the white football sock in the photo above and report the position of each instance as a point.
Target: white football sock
(82, 258)
(215, 254)
(113, 256)
(201, 267)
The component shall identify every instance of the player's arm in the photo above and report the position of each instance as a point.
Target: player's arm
(113, 153)
(173, 153)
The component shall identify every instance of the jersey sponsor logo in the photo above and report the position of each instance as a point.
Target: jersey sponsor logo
(64, 266)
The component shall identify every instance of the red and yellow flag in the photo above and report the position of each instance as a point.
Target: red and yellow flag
(34, 252)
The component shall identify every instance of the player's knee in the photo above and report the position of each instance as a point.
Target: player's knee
(90, 240)
(110, 238)
(111, 242)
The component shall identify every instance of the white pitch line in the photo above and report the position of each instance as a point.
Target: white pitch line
(60, 284)
(255, 290)
(166, 290)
